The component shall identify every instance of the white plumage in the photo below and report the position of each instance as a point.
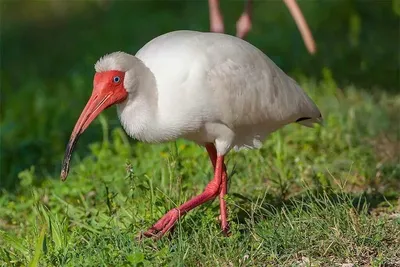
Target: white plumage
(208, 88)
(211, 88)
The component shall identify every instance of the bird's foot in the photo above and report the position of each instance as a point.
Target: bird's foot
(225, 229)
(224, 226)
(163, 225)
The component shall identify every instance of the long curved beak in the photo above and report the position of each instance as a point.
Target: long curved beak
(96, 104)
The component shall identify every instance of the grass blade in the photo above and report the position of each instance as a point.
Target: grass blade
(39, 248)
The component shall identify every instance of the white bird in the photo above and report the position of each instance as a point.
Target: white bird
(214, 89)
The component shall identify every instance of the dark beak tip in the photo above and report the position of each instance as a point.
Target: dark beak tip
(64, 175)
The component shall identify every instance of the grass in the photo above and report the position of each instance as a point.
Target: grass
(315, 197)
(48, 50)
(310, 197)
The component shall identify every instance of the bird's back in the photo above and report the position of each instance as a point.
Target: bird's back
(228, 80)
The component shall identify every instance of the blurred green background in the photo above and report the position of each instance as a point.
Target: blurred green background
(326, 196)
(48, 49)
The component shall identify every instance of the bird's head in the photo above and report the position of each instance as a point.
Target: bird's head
(111, 85)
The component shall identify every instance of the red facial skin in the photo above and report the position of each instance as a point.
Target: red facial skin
(107, 91)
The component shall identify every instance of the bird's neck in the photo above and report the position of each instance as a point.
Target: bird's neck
(139, 113)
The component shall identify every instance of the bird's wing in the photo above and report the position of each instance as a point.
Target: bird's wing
(250, 89)
(243, 84)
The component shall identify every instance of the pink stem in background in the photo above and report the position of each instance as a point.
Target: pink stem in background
(302, 25)
(216, 20)
(243, 25)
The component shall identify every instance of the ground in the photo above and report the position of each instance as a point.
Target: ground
(327, 196)
(310, 197)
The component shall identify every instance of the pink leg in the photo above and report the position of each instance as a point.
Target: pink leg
(210, 192)
(216, 21)
(243, 25)
(212, 152)
(301, 23)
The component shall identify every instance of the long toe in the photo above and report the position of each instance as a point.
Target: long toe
(224, 226)
(226, 230)
(163, 225)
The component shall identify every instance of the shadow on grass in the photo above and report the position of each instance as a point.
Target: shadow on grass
(273, 204)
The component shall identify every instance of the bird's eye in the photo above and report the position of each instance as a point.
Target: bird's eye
(116, 79)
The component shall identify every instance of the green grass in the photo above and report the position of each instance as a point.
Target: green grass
(318, 196)
(310, 197)
(48, 51)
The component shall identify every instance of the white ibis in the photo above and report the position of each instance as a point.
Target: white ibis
(214, 89)
(243, 25)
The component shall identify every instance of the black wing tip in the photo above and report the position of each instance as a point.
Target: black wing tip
(310, 121)
(303, 119)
